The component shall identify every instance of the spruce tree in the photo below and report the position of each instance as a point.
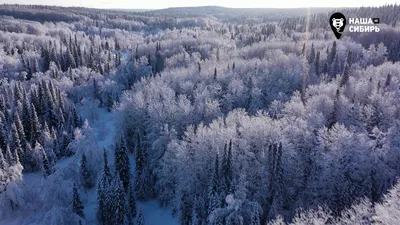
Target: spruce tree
(19, 126)
(85, 173)
(120, 211)
(35, 132)
(101, 213)
(185, 209)
(3, 163)
(3, 137)
(140, 218)
(77, 206)
(131, 201)
(139, 181)
(106, 170)
(332, 53)
(311, 57)
(227, 170)
(335, 67)
(9, 157)
(45, 162)
(213, 198)
(346, 72)
(16, 144)
(122, 166)
(26, 117)
(316, 63)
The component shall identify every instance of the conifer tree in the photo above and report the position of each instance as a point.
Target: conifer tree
(346, 72)
(35, 132)
(213, 198)
(45, 162)
(120, 211)
(122, 165)
(77, 206)
(140, 218)
(26, 117)
(3, 137)
(185, 209)
(16, 144)
(101, 213)
(316, 63)
(131, 201)
(311, 57)
(106, 170)
(85, 173)
(139, 181)
(9, 157)
(332, 53)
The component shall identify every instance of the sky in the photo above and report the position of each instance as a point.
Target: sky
(158, 4)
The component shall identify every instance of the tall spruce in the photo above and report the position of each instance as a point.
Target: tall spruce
(77, 206)
(122, 165)
(139, 176)
(140, 218)
(35, 132)
(120, 211)
(131, 201)
(85, 173)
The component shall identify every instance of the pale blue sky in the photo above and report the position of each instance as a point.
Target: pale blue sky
(157, 4)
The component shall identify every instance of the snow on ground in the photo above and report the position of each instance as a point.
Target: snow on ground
(103, 125)
(155, 215)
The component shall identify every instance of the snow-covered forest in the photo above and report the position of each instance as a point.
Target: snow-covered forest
(198, 116)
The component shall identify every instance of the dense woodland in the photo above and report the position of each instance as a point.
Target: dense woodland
(227, 117)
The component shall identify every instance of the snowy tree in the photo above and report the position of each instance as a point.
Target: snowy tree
(122, 164)
(77, 206)
(140, 218)
(85, 173)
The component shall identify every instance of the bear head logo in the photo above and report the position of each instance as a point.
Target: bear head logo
(337, 23)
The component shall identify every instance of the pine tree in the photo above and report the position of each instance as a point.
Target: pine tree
(85, 173)
(122, 165)
(140, 218)
(77, 206)
(215, 73)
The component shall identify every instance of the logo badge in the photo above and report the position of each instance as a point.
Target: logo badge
(338, 23)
